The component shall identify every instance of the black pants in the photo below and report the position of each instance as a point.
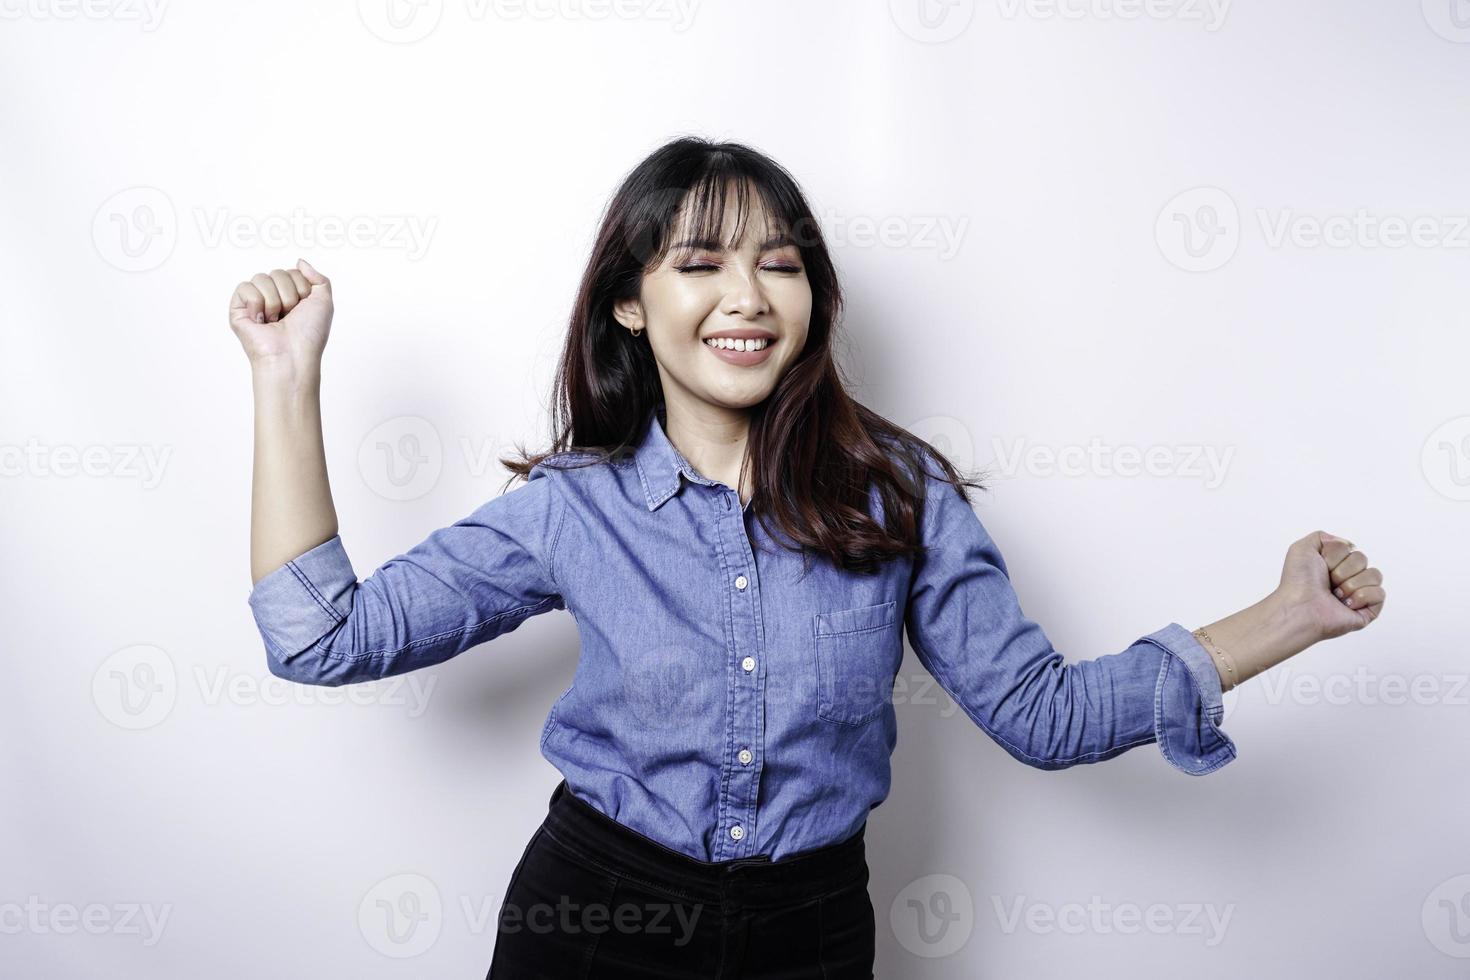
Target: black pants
(591, 898)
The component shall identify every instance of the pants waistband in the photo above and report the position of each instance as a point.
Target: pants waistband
(758, 881)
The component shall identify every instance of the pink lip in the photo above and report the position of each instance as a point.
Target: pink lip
(743, 358)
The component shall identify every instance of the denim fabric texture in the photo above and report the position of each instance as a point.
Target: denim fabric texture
(729, 702)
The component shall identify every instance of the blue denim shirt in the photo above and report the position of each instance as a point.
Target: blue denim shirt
(724, 703)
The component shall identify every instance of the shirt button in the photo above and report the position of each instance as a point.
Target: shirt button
(745, 757)
(748, 663)
(737, 832)
(741, 583)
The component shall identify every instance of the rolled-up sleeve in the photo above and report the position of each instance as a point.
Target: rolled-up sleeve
(464, 584)
(966, 626)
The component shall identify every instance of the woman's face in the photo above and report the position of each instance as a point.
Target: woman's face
(700, 292)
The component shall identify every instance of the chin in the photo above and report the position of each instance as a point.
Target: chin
(741, 400)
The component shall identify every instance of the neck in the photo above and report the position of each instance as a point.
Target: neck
(713, 439)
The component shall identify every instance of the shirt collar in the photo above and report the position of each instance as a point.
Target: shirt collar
(659, 462)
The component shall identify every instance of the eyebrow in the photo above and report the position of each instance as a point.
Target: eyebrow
(779, 240)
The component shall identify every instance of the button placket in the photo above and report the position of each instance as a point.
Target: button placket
(747, 719)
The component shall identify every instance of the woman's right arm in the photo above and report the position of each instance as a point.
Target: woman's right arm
(463, 585)
(282, 320)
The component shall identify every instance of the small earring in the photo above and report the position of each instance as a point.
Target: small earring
(637, 331)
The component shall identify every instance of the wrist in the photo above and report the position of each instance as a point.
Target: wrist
(276, 374)
(1257, 638)
(1291, 621)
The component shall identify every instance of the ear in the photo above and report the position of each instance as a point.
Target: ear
(629, 312)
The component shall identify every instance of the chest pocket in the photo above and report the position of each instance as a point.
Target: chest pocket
(857, 652)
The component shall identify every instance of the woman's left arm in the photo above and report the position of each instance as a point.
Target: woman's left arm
(967, 628)
(1327, 589)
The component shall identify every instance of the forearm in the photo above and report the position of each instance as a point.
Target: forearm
(1255, 639)
(291, 509)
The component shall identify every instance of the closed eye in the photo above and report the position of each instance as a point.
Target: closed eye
(769, 268)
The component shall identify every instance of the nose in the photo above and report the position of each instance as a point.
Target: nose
(744, 296)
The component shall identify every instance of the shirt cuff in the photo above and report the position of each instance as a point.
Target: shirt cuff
(304, 599)
(1189, 705)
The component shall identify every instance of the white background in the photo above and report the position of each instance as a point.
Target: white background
(150, 160)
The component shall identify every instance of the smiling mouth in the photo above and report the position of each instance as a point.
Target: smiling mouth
(742, 353)
(731, 344)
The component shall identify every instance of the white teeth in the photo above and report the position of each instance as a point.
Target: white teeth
(726, 343)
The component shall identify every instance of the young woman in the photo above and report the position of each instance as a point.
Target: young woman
(744, 548)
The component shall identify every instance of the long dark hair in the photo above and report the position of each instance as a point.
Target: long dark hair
(814, 452)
